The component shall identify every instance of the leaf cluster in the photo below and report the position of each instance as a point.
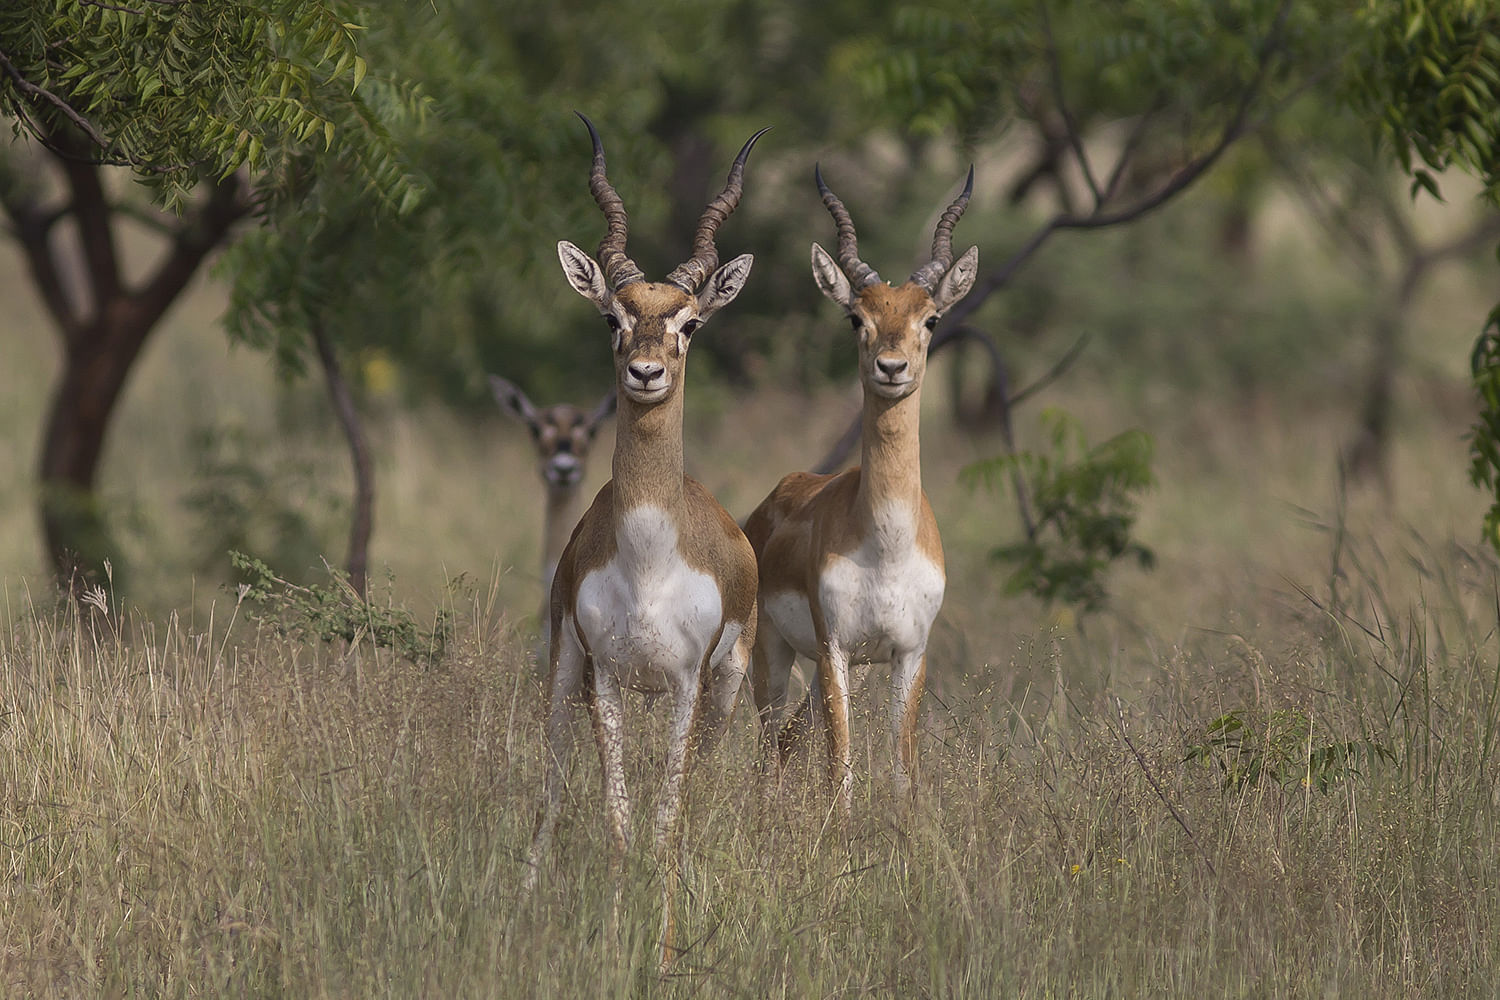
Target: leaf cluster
(978, 66)
(181, 91)
(338, 613)
(1282, 748)
(1433, 75)
(1085, 499)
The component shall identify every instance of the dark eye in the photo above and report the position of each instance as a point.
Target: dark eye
(932, 322)
(609, 318)
(689, 327)
(854, 321)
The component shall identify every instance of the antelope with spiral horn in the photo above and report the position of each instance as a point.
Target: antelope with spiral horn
(851, 565)
(655, 592)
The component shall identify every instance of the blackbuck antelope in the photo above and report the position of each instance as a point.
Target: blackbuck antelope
(851, 565)
(655, 591)
(562, 435)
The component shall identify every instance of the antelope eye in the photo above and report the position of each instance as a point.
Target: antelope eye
(931, 322)
(690, 326)
(614, 324)
(856, 323)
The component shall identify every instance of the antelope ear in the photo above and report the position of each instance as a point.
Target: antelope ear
(603, 411)
(583, 274)
(956, 283)
(723, 285)
(513, 401)
(830, 278)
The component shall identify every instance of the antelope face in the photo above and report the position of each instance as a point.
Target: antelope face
(651, 323)
(562, 434)
(562, 438)
(894, 326)
(651, 326)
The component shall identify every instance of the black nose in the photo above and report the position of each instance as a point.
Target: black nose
(646, 372)
(891, 366)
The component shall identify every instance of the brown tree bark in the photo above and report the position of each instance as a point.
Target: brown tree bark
(103, 326)
(363, 520)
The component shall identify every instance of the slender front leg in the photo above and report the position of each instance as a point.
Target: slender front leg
(568, 672)
(908, 681)
(833, 676)
(685, 701)
(608, 710)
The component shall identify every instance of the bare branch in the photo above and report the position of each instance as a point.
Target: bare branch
(200, 232)
(1075, 137)
(1151, 779)
(1127, 152)
(32, 226)
(842, 448)
(1238, 125)
(344, 408)
(45, 96)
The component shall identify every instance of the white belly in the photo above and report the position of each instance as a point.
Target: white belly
(648, 616)
(873, 610)
(880, 598)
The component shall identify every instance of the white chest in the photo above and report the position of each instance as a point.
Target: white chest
(646, 614)
(878, 599)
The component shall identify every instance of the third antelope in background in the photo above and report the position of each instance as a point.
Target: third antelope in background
(562, 435)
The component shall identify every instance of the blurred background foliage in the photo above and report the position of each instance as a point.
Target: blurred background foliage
(405, 171)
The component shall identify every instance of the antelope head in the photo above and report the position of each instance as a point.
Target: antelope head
(562, 434)
(651, 323)
(894, 323)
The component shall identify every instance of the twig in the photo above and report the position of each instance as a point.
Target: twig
(1151, 779)
(1075, 139)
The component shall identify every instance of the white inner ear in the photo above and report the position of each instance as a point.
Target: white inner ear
(723, 285)
(957, 282)
(830, 278)
(583, 274)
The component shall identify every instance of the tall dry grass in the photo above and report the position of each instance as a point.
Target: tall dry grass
(224, 812)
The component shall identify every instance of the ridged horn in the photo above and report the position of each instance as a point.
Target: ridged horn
(619, 269)
(942, 240)
(857, 271)
(691, 274)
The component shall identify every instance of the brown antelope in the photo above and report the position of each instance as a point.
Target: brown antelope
(562, 435)
(851, 565)
(655, 591)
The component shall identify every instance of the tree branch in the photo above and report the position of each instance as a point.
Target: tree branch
(362, 520)
(199, 234)
(91, 211)
(40, 96)
(33, 231)
(1075, 138)
(1236, 127)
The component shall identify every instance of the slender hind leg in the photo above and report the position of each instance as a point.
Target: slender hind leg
(770, 675)
(722, 691)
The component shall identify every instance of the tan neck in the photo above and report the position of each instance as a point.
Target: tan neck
(564, 507)
(647, 465)
(891, 454)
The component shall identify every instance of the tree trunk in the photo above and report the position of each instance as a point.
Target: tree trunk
(103, 328)
(95, 366)
(363, 519)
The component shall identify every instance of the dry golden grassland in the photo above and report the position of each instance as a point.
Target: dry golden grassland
(192, 805)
